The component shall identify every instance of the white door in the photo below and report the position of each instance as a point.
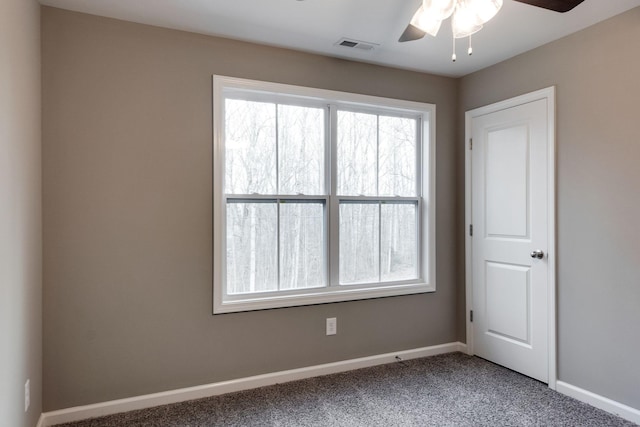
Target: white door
(511, 180)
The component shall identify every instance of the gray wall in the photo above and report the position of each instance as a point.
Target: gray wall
(127, 216)
(598, 204)
(20, 212)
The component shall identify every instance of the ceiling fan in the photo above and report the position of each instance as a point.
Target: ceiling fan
(468, 15)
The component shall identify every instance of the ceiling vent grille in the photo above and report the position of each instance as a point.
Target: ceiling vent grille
(356, 44)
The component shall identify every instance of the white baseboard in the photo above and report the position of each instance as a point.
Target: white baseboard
(40, 421)
(174, 396)
(601, 402)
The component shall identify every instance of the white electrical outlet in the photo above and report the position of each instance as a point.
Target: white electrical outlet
(27, 395)
(332, 326)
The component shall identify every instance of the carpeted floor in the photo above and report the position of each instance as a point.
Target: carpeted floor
(448, 390)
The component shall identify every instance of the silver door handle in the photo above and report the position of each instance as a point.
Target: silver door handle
(537, 254)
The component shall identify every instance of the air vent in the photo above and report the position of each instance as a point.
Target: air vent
(356, 44)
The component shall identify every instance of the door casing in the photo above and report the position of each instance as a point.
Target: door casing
(549, 95)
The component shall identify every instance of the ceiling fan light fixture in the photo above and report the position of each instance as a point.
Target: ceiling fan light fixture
(438, 9)
(468, 17)
(426, 22)
(485, 9)
(465, 20)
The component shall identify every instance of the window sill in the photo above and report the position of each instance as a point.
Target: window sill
(318, 297)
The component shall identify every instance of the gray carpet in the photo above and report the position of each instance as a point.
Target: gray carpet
(448, 390)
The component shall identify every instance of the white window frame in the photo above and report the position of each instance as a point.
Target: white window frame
(332, 292)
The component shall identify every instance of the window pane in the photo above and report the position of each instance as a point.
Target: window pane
(357, 154)
(397, 164)
(301, 150)
(250, 147)
(301, 245)
(252, 258)
(399, 244)
(359, 243)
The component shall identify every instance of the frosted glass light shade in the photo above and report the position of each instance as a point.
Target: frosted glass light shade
(465, 21)
(438, 9)
(485, 9)
(426, 22)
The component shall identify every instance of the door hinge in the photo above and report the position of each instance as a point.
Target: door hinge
(470, 143)
(470, 229)
(471, 316)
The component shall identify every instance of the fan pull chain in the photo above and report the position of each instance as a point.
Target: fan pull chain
(453, 57)
(470, 50)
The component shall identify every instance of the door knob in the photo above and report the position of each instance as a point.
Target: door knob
(537, 254)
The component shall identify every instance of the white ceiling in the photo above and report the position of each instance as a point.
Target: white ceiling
(316, 26)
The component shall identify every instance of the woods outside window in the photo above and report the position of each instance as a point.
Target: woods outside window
(319, 196)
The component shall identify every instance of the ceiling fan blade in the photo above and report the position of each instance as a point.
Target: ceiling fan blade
(411, 33)
(555, 5)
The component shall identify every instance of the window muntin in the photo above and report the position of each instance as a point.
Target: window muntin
(323, 197)
(382, 236)
(274, 245)
(377, 154)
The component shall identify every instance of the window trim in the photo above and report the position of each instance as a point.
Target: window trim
(222, 303)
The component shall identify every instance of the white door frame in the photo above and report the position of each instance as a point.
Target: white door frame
(549, 95)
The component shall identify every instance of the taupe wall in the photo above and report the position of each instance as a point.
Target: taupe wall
(598, 204)
(127, 216)
(20, 212)
(127, 210)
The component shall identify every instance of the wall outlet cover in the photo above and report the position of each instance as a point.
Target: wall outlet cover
(332, 326)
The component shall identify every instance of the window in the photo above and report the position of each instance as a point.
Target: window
(319, 196)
